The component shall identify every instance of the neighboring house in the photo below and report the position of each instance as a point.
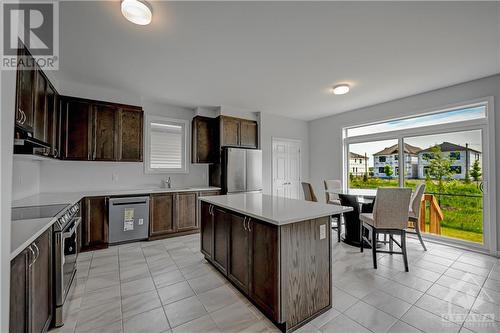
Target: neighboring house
(390, 156)
(357, 164)
(458, 153)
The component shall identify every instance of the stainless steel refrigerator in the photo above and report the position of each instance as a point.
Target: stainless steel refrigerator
(241, 170)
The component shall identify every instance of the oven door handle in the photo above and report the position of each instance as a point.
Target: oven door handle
(70, 233)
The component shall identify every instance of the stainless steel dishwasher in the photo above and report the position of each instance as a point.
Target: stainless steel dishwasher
(128, 219)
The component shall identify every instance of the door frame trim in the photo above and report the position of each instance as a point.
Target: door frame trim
(276, 138)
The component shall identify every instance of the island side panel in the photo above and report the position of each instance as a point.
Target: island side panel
(306, 270)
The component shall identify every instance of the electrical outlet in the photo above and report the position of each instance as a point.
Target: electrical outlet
(322, 231)
(114, 177)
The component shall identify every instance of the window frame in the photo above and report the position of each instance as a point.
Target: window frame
(185, 145)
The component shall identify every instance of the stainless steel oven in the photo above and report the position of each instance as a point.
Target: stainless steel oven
(66, 254)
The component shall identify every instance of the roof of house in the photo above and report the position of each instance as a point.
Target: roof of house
(448, 146)
(409, 149)
(354, 155)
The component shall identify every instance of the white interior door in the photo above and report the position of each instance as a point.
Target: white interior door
(286, 168)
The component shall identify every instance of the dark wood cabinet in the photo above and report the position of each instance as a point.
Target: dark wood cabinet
(248, 133)
(31, 302)
(53, 121)
(41, 292)
(76, 131)
(206, 225)
(237, 132)
(186, 211)
(19, 287)
(130, 135)
(229, 128)
(264, 272)
(161, 215)
(239, 251)
(103, 133)
(95, 226)
(40, 107)
(220, 240)
(204, 144)
(25, 82)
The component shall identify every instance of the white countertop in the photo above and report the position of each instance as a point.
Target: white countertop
(47, 198)
(24, 232)
(275, 210)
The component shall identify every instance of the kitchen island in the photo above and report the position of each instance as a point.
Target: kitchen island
(276, 251)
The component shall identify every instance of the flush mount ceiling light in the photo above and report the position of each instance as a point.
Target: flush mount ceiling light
(341, 89)
(136, 11)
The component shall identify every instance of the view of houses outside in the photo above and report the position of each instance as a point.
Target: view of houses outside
(449, 164)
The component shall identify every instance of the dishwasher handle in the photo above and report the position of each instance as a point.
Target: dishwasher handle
(128, 201)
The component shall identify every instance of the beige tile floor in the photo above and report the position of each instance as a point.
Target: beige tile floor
(167, 286)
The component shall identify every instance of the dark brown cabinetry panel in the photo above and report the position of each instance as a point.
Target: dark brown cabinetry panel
(239, 251)
(265, 266)
(24, 91)
(31, 302)
(204, 144)
(39, 107)
(19, 302)
(103, 133)
(229, 131)
(95, 223)
(161, 215)
(206, 224)
(248, 133)
(41, 292)
(52, 119)
(130, 136)
(186, 211)
(76, 128)
(220, 247)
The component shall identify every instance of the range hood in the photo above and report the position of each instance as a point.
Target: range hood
(24, 143)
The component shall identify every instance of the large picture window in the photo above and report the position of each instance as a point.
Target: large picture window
(166, 150)
(445, 150)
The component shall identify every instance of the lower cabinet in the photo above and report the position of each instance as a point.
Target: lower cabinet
(246, 251)
(185, 209)
(95, 226)
(31, 301)
(161, 212)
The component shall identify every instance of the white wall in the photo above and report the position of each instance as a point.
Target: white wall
(326, 133)
(25, 178)
(7, 100)
(287, 128)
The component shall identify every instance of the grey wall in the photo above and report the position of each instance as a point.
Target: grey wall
(326, 133)
(287, 128)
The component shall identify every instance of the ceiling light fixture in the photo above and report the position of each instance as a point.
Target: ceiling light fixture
(137, 11)
(341, 89)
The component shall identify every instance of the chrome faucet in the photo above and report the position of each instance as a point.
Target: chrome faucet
(167, 182)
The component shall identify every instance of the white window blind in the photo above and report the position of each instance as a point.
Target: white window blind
(167, 147)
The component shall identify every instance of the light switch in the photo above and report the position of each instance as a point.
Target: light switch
(141, 221)
(322, 231)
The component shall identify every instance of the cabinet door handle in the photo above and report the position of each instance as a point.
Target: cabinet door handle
(248, 224)
(244, 223)
(37, 252)
(31, 256)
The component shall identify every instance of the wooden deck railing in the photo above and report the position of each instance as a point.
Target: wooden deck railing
(435, 214)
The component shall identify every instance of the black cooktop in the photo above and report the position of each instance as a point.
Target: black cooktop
(37, 212)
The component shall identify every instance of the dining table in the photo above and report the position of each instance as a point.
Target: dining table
(365, 199)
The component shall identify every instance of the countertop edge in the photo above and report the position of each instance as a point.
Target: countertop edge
(31, 239)
(271, 221)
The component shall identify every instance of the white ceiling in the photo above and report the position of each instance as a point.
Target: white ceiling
(280, 57)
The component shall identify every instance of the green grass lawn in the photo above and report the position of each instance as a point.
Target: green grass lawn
(463, 215)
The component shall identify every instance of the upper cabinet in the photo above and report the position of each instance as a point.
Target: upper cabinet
(210, 134)
(203, 140)
(40, 107)
(130, 136)
(237, 132)
(24, 93)
(101, 131)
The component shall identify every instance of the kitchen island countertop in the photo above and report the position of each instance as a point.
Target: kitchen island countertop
(275, 210)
